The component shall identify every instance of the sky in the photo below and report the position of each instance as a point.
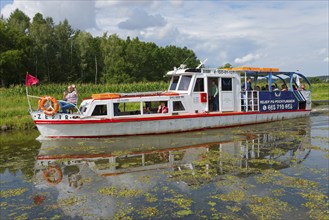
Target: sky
(290, 35)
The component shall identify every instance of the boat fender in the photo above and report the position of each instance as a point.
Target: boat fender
(51, 173)
(50, 110)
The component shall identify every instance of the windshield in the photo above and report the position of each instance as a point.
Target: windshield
(184, 83)
(174, 82)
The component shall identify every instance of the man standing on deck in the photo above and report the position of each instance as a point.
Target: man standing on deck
(214, 96)
(247, 85)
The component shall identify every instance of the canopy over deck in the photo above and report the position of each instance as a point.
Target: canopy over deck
(268, 73)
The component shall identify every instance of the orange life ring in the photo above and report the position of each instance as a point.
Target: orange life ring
(50, 110)
(53, 175)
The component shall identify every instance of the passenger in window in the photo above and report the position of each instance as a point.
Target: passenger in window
(162, 108)
(147, 109)
(214, 95)
(302, 87)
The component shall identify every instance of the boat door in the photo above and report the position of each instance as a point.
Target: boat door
(226, 96)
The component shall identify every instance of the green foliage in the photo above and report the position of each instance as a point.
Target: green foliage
(320, 91)
(58, 54)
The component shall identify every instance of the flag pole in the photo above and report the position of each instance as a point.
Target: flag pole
(27, 95)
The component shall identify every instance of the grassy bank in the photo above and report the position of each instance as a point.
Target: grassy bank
(320, 91)
(14, 105)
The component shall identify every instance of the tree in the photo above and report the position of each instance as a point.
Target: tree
(57, 53)
(87, 53)
(227, 65)
(176, 56)
(112, 50)
(41, 32)
(19, 22)
(62, 70)
(15, 49)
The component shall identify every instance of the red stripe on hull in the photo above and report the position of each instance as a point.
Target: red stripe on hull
(151, 118)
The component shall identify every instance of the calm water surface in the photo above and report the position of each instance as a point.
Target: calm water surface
(271, 171)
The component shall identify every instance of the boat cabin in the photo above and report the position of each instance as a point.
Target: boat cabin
(207, 90)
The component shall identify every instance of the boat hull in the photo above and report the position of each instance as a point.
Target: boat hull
(94, 128)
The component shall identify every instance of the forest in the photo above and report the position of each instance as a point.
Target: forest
(56, 53)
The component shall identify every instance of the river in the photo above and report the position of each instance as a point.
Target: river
(266, 171)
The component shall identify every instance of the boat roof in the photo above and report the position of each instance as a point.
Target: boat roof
(264, 72)
(260, 71)
(250, 71)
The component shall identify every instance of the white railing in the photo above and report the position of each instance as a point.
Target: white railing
(250, 101)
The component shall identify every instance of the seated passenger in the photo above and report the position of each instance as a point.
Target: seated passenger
(70, 98)
(147, 109)
(274, 88)
(162, 108)
(283, 87)
(302, 87)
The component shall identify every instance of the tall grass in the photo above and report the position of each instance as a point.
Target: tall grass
(14, 105)
(320, 91)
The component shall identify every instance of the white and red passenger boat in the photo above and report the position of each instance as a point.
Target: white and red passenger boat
(188, 103)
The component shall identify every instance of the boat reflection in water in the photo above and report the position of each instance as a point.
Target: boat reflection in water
(93, 173)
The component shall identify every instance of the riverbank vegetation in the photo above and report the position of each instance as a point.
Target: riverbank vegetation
(320, 91)
(56, 53)
(14, 105)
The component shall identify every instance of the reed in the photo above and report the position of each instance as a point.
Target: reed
(14, 105)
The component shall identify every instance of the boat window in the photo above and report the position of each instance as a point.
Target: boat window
(150, 107)
(100, 110)
(174, 83)
(178, 106)
(116, 109)
(226, 84)
(184, 83)
(126, 108)
(199, 85)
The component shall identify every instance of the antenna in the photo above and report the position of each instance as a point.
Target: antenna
(201, 63)
(186, 60)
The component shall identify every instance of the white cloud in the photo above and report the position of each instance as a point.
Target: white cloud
(326, 60)
(323, 51)
(247, 58)
(139, 19)
(80, 14)
(289, 35)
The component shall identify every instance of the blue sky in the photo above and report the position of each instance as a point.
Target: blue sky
(290, 35)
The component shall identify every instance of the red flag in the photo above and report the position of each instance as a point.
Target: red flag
(31, 80)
